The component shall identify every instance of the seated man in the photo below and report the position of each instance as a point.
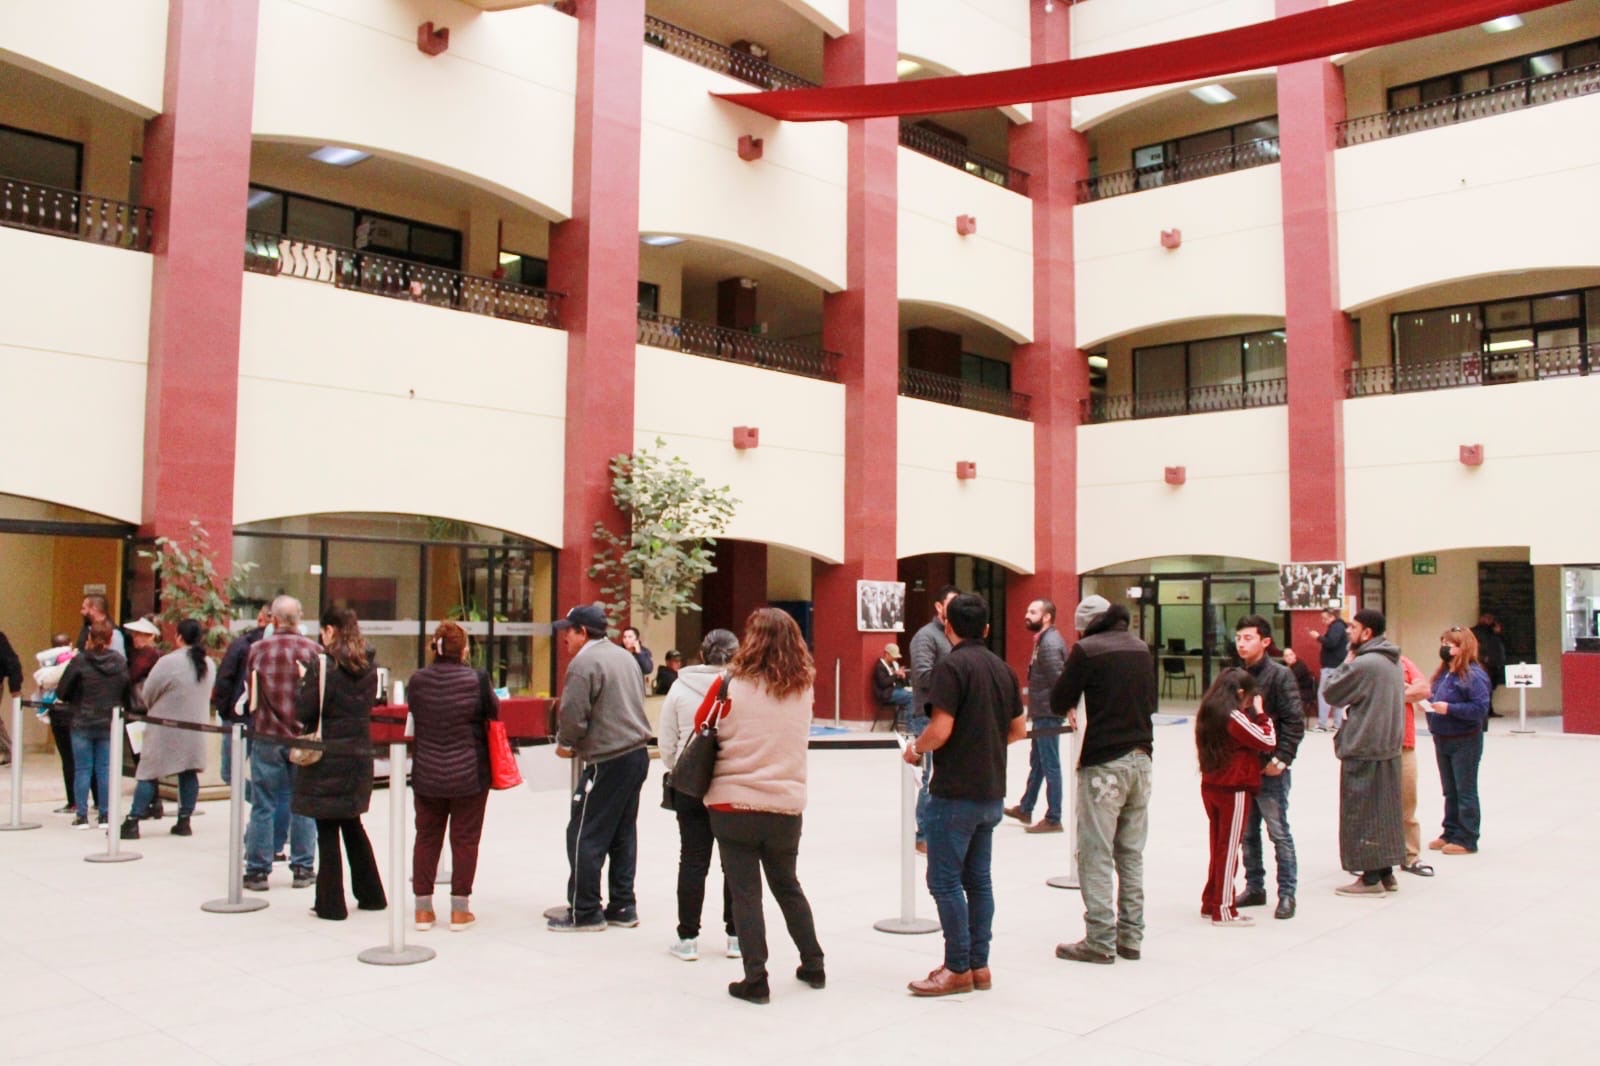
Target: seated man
(667, 673)
(890, 686)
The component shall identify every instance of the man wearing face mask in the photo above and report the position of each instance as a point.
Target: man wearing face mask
(1371, 685)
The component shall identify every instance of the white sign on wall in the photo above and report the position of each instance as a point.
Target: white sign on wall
(1524, 675)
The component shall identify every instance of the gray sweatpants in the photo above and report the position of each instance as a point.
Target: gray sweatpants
(1113, 822)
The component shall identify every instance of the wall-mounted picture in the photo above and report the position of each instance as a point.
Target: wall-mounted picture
(1310, 586)
(881, 606)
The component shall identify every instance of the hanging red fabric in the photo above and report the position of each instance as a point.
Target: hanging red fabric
(1347, 27)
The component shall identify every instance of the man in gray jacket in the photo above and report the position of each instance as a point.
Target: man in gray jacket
(602, 721)
(1371, 685)
(1044, 759)
(928, 645)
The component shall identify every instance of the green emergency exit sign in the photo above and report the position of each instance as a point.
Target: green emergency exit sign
(1424, 564)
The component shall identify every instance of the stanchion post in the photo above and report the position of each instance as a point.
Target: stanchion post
(907, 923)
(1069, 813)
(396, 952)
(16, 823)
(234, 902)
(113, 800)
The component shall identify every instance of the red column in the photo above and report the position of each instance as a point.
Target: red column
(863, 323)
(738, 586)
(1051, 369)
(1310, 103)
(196, 178)
(594, 259)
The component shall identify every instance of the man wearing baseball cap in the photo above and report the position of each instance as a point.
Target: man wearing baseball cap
(601, 719)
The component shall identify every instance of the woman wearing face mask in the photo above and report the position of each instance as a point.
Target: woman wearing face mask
(1460, 704)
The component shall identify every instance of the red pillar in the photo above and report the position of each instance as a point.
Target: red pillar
(863, 323)
(738, 586)
(196, 178)
(1310, 103)
(594, 259)
(1051, 369)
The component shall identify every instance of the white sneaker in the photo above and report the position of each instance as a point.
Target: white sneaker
(733, 948)
(687, 950)
(1244, 921)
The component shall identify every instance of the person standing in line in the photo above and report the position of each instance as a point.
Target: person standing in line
(601, 719)
(1112, 670)
(695, 839)
(94, 682)
(336, 697)
(177, 687)
(231, 682)
(1252, 640)
(1460, 705)
(977, 712)
(143, 633)
(1334, 636)
(1417, 688)
(11, 674)
(273, 670)
(1306, 682)
(96, 608)
(928, 645)
(1371, 686)
(1044, 754)
(451, 706)
(47, 680)
(757, 797)
(1232, 732)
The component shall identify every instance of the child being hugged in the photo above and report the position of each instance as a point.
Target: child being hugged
(1231, 733)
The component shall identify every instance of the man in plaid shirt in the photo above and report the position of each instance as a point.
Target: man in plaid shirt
(273, 672)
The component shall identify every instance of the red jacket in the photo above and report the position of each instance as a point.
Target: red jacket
(1253, 736)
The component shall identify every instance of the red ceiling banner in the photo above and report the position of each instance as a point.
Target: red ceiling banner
(1346, 27)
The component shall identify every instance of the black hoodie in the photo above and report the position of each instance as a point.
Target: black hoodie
(1113, 671)
(93, 683)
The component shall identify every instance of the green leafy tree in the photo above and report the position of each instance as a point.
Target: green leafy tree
(190, 586)
(674, 518)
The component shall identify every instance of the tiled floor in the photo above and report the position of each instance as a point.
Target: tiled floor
(1496, 960)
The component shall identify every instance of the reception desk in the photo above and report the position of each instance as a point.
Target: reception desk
(1580, 692)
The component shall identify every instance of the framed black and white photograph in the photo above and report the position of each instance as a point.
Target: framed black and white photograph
(1310, 586)
(881, 606)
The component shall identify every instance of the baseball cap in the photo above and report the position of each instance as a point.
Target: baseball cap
(586, 616)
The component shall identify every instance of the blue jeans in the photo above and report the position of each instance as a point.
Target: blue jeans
(900, 699)
(227, 757)
(1271, 809)
(1458, 759)
(188, 793)
(915, 725)
(1324, 711)
(1044, 768)
(271, 789)
(960, 846)
(91, 766)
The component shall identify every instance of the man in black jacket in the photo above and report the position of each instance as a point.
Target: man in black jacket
(11, 673)
(1280, 697)
(230, 685)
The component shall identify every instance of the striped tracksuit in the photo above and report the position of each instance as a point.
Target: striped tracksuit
(1227, 794)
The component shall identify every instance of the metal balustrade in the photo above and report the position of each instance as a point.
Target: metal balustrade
(1243, 156)
(953, 153)
(736, 346)
(400, 279)
(1201, 399)
(704, 52)
(942, 388)
(66, 213)
(1472, 368)
(1466, 107)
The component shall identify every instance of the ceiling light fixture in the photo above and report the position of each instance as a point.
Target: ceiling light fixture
(1099, 362)
(661, 240)
(340, 157)
(1213, 94)
(905, 67)
(1503, 24)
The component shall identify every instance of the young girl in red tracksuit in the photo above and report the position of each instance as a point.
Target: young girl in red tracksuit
(1231, 733)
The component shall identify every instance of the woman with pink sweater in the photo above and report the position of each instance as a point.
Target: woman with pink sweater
(758, 792)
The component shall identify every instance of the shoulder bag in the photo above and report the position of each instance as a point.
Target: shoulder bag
(503, 770)
(691, 774)
(309, 756)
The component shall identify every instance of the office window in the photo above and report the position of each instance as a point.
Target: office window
(1493, 75)
(995, 373)
(40, 160)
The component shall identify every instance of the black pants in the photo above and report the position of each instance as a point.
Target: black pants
(69, 768)
(695, 841)
(364, 879)
(1373, 877)
(603, 824)
(751, 842)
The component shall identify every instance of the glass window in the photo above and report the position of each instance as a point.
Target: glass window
(995, 373)
(1591, 303)
(1436, 335)
(1259, 130)
(1545, 63)
(135, 179)
(1159, 369)
(1215, 362)
(1506, 73)
(1408, 96)
(1582, 55)
(264, 211)
(1265, 356)
(40, 160)
(1563, 307)
(433, 245)
(313, 220)
(649, 297)
(1474, 80)
(1506, 313)
(1199, 143)
(1438, 89)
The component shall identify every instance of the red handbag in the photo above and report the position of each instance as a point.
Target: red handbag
(503, 771)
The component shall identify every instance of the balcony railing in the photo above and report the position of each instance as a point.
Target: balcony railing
(953, 153)
(382, 275)
(942, 388)
(65, 213)
(737, 346)
(719, 57)
(1473, 368)
(1512, 96)
(1187, 168)
(1201, 399)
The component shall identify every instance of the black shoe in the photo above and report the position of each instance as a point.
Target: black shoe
(255, 882)
(1495, 714)
(156, 811)
(280, 857)
(751, 991)
(1131, 954)
(1082, 952)
(1285, 907)
(1255, 898)
(374, 905)
(623, 917)
(569, 923)
(817, 978)
(181, 827)
(304, 876)
(130, 829)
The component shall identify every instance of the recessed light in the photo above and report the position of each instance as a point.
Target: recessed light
(1099, 362)
(661, 240)
(1510, 346)
(339, 157)
(1503, 24)
(905, 67)
(1212, 94)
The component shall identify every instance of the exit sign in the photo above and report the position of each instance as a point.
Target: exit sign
(1424, 564)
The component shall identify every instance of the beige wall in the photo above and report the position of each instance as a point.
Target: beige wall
(495, 110)
(116, 52)
(397, 407)
(1230, 262)
(968, 37)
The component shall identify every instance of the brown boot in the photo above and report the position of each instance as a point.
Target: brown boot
(942, 982)
(982, 980)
